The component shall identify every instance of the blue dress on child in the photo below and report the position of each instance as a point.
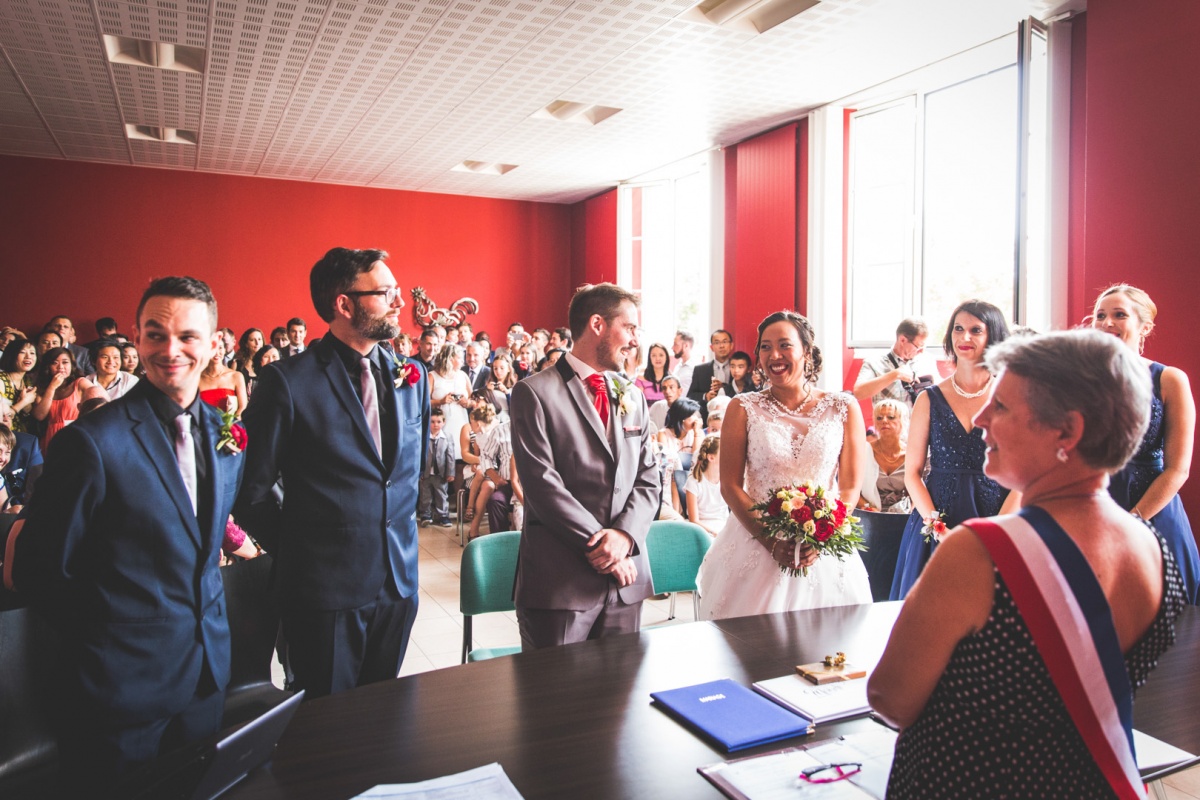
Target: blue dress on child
(956, 483)
(1129, 485)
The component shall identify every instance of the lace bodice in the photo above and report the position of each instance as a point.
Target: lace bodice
(782, 448)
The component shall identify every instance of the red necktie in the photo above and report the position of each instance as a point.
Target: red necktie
(596, 385)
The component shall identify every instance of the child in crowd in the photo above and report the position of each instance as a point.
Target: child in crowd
(716, 413)
(705, 506)
(433, 504)
(740, 377)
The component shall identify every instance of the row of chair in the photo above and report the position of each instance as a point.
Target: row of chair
(675, 551)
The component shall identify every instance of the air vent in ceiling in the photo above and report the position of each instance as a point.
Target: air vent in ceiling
(159, 55)
(580, 113)
(483, 168)
(157, 133)
(756, 16)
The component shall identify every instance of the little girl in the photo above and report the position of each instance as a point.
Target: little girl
(705, 506)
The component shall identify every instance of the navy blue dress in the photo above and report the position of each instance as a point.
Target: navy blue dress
(956, 483)
(1129, 485)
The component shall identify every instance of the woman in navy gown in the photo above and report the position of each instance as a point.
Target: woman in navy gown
(942, 432)
(1149, 484)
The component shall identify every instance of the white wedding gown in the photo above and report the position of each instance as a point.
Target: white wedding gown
(738, 577)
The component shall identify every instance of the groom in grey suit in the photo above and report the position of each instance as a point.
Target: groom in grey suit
(581, 441)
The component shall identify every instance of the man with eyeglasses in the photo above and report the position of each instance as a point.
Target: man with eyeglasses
(345, 425)
(891, 376)
(709, 377)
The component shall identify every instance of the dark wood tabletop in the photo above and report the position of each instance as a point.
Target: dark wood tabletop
(576, 721)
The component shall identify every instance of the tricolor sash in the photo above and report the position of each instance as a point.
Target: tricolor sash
(1067, 614)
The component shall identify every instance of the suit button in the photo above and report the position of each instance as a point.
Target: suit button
(388, 523)
(388, 484)
(616, 490)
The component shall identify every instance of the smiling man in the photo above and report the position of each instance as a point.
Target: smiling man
(120, 551)
(344, 424)
(581, 443)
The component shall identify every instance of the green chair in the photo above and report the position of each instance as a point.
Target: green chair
(489, 567)
(676, 549)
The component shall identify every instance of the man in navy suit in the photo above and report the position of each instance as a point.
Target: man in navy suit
(478, 373)
(344, 424)
(121, 549)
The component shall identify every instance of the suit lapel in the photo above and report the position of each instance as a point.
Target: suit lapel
(150, 435)
(583, 403)
(339, 381)
(221, 464)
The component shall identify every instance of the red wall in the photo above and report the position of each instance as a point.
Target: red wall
(764, 240)
(1142, 173)
(594, 241)
(85, 239)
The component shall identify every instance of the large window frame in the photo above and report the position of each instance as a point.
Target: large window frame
(1038, 239)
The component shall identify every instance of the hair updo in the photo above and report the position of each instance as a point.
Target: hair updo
(812, 364)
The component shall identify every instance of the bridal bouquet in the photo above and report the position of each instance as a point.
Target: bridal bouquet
(808, 514)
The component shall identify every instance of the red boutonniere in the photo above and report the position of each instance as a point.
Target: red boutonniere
(406, 372)
(233, 436)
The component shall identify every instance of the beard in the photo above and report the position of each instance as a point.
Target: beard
(374, 328)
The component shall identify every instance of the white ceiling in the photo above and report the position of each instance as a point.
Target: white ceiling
(394, 93)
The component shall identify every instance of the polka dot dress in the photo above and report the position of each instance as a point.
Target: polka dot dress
(995, 726)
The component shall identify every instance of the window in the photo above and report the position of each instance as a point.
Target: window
(664, 252)
(935, 179)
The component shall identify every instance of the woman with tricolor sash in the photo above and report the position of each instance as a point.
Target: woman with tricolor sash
(1012, 666)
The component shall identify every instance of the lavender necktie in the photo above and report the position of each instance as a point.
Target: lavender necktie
(370, 401)
(185, 454)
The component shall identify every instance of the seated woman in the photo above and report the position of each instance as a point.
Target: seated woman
(705, 506)
(131, 362)
(17, 382)
(268, 354)
(483, 420)
(61, 388)
(499, 386)
(250, 343)
(968, 673)
(650, 382)
(680, 437)
(883, 481)
(222, 387)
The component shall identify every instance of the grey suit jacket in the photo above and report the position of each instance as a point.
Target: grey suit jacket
(575, 484)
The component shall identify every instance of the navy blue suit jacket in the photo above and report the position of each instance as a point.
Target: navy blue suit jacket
(113, 554)
(348, 519)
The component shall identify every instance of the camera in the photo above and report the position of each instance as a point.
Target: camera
(919, 385)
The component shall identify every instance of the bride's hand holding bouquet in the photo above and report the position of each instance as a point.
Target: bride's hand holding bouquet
(804, 522)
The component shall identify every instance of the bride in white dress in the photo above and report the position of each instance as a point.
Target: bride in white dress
(788, 433)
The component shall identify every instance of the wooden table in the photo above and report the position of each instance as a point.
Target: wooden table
(576, 721)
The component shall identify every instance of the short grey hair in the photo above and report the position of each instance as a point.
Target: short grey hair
(477, 347)
(1091, 373)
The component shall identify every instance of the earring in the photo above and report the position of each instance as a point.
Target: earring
(1061, 455)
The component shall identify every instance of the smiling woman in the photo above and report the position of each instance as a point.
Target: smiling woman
(955, 488)
(967, 673)
(1149, 484)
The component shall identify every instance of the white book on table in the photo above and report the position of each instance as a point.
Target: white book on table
(822, 703)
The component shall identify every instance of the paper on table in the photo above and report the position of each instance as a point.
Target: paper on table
(1153, 753)
(482, 783)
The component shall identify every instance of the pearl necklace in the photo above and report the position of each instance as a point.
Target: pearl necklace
(778, 408)
(970, 395)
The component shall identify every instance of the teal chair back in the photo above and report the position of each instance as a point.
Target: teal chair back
(489, 567)
(676, 549)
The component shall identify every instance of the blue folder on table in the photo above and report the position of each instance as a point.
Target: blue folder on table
(732, 715)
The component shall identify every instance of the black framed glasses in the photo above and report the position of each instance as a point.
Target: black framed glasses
(830, 773)
(389, 295)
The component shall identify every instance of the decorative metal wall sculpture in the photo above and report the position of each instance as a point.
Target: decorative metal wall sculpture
(426, 312)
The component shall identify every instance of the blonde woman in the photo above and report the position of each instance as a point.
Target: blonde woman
(1148, 486)
(883, 482)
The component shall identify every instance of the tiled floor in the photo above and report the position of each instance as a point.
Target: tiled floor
(437, 634)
